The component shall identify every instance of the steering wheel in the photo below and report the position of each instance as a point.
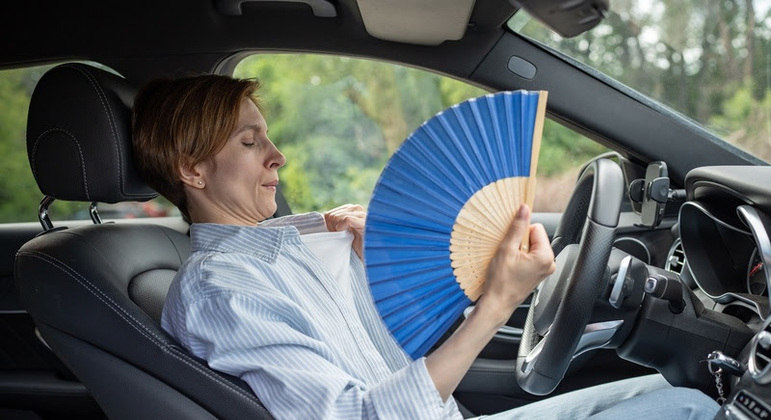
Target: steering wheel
(562, 304)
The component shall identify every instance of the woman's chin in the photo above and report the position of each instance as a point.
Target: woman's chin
(271, 209)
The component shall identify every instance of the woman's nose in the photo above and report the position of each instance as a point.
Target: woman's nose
(277, 159)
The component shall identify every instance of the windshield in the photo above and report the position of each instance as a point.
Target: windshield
(710, 61)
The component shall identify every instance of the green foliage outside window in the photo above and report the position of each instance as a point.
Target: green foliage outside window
(19, 194)
(339, 119)
(710, 60)
(336, 119)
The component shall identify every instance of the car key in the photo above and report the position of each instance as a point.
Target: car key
(719, 361)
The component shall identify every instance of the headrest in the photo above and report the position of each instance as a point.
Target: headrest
(79, 136)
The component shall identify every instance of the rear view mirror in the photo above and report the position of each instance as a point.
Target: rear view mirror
(566, 17)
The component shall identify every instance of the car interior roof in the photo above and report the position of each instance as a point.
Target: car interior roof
(180, 35)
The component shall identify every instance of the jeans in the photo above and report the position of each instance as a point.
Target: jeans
(645, 397)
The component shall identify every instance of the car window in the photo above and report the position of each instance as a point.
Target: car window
(710, 61)
(19, 194)
(339, 119)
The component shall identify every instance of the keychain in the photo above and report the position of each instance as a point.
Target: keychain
(717, 363)
(718, 373)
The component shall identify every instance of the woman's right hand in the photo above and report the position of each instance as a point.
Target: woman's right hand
(351, 217)
(511, 276)
(513, 273)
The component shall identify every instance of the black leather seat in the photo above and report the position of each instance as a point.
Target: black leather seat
(95, 292)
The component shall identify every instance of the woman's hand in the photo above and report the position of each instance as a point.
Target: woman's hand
(513, 273)
(511, 276)
(348, 217)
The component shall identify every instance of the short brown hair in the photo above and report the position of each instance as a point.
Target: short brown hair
(184, 121)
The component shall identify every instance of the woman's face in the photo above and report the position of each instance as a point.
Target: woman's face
(239, 183)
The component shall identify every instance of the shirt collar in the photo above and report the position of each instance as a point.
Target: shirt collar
(264, 240)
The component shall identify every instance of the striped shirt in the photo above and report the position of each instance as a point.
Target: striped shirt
(256, 302)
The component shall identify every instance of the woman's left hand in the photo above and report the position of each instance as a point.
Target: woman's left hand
(348, 217)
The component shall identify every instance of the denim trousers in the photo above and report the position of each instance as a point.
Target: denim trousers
(645, 397)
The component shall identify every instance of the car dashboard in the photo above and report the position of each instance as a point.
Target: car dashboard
(724, 234)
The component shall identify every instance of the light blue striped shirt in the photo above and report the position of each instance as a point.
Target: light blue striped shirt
(256, 302)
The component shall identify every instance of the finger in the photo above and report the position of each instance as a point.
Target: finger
(518, 227)
(331, 221)
(335, 212)
(539, 239)
(335, 223)
(346, 208)
(356, 207)
(353, 222)
(347, 216)
(357, 221)
(541, 248)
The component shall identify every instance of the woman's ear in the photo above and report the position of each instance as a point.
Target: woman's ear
(191, 175)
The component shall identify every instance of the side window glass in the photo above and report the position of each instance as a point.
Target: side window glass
(336, 119)
(563, 153)
(339, 119)
(19, 195)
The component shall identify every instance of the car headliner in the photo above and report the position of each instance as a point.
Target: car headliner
(193, 35)
(143, 40)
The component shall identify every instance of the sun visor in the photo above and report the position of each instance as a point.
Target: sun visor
(426, 22)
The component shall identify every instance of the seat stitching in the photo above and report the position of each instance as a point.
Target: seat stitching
(80, 152)
(112, 305)
(158, 341)
(111, 118)
(110, 114)
(88, 286)
(122, 174)
(179, 254)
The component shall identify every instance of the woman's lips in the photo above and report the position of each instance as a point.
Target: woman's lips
(271, 185)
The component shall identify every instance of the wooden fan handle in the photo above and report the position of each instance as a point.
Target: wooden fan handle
(529, 199)
(540, 116)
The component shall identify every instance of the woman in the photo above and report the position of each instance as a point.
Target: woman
(257, 301)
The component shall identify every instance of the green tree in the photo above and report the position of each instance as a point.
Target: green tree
(700, 58)
(19, 195)
(338, 119)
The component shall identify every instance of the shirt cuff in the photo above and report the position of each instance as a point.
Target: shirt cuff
(411, 393)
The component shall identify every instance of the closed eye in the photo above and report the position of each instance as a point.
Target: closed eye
(248, 144)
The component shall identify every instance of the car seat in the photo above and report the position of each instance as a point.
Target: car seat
(95, 292)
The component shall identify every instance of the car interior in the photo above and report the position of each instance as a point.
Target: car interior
(661, 249)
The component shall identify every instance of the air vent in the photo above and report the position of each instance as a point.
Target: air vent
(759, 363)
(676, 257)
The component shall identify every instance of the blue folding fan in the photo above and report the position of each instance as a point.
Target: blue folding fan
(441, 207)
